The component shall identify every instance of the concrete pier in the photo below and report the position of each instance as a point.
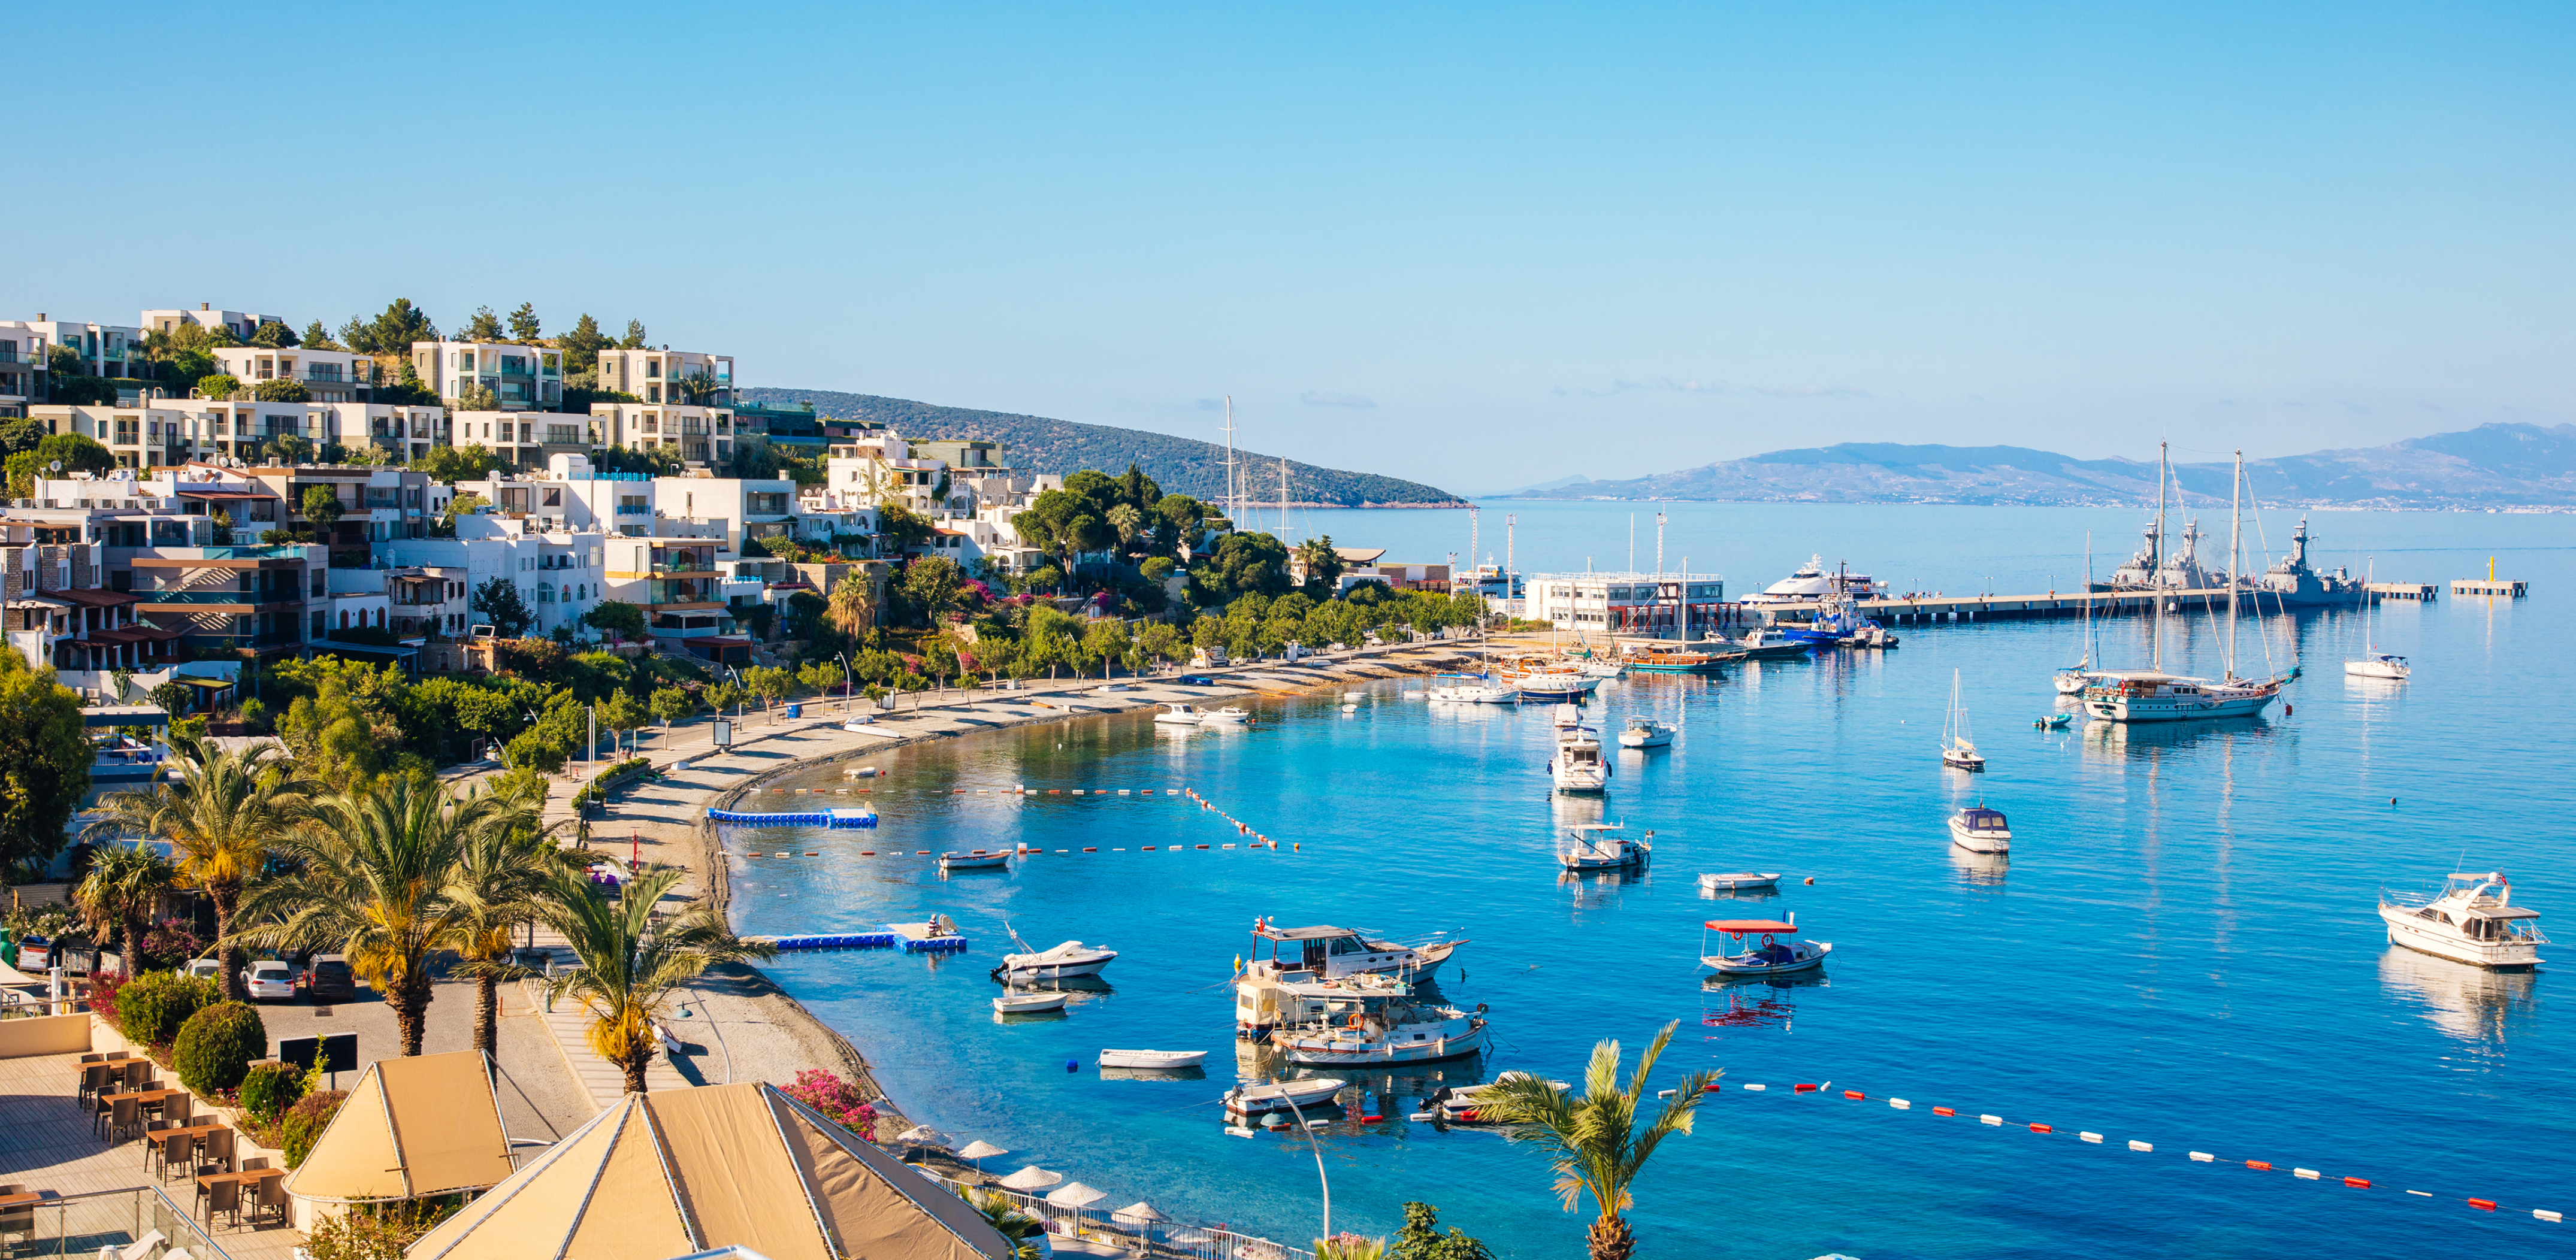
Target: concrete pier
(2488, 586)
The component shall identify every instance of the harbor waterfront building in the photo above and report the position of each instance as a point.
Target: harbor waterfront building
(1654, 605)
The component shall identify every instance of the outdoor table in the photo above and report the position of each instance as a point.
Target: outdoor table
(31, 1196)
(247, 1178)
(146, 1095)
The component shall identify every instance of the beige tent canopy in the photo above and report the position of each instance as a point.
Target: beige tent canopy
(719, 1166)
(418, 1126)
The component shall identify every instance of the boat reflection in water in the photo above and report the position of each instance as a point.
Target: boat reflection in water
(1750, 1006)
(1191, 1073)
(1980, 868)
(2130, 740)
(2463, 1000)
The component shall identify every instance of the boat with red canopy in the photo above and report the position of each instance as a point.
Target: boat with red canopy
(1761, 947)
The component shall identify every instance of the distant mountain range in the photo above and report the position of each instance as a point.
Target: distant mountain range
(1178, 465)
(2493, 465)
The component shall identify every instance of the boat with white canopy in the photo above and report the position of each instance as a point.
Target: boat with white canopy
(1645, 732)
(1600, 847)
(2472, 920)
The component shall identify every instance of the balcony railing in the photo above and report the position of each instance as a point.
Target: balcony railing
(109, 1220)
(200, 595)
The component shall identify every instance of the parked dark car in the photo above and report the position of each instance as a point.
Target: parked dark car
(331, 980)
(1197, 680)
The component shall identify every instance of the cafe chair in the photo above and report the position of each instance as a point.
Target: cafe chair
(125, 1118)
(93, 1081)
(215, 1152)
(222, 1196)
(270, 1194)
(20, 1220)
(175, 1150)
(178, 1107)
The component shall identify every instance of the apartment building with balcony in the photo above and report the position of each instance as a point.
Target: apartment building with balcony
(793, 430)
(104, 349)
(406, 433)
(377, 505)
(559, 574)
(526, 439)
(241, 324)
(568, 495)
(669, 376)
(699, 435)
(141, 437)
(22, 367)
(330, 376)
(186, 580)
(676, 581)
(725, 509)
(521, 378)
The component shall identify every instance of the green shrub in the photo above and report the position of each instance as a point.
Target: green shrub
(151, 1007)
(269, 1089)
(305, 1121)
(216, 1046)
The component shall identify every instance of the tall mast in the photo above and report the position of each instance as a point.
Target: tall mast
(1511, 558)
(2156, 578)
(1233, 505)
(2235, 555)
(1659, 544)
(1475, 540)
(1283, 500)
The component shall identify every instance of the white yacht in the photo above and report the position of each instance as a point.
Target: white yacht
(1981, 830)
(1472, 689)
(1372, 1021)
(1230, 715)
(1568, 716)
(1179, 713)
(1957, 751)
(2373, 663)
(2072, 679)
(1811, 583)
(2473, 920)
(1647, 733)
(2152, 695)
(1600, 847)
(1072, 958)
(1329, 953)
(1578, 765)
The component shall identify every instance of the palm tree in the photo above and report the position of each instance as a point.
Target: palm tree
(630, 965)
(123, 887)
(375, 879)
(499, 874)
(221, 812)
(1597, 1146)
(1008, 1220)
(852, 611)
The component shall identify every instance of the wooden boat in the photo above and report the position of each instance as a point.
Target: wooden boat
(1768, 957)
(1663, 658)
(1739, 881)
(979, 860)
(1028, 1003)
(1253, 1100)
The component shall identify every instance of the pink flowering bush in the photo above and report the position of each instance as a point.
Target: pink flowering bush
(837, 1099)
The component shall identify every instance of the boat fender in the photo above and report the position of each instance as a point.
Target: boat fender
(1811, 881)
(1073, 1065)
(1480, 1008)
(2287, 710)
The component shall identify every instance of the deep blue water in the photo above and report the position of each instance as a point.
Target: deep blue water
(2182, 948)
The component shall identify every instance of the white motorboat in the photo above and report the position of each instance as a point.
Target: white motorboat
(1769, 956)
(1356, 1023)
(1072, 958)
(1980, 830)
(1230, 715)
(1601, 669)
(1556, 685)
(2473, 920)
(1647, 733)
(1568, 717)
(1811, 584)
(1153, 1058)
(1461, 1104)
(1253, 1100)
(1599, 847)
(1578, 765)
(1028, 1003)
(978, 860)
(2377, 665)
(1179, 713)
(1957, 751)
(1329, 953)
(1739, 881)
(1472, 689)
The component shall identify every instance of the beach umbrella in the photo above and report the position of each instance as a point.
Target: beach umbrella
(979, 1150)
(1077, 1195)
(1138, 1213)
(1031, 1178)
(924, 1135)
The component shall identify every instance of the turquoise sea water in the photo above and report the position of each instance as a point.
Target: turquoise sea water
(2182, 948)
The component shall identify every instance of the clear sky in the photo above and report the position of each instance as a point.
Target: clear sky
(1479, 245)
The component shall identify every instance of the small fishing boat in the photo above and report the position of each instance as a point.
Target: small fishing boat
(1739, 881)
(1072, 958)
(1376, 1025)
(1602, 669)
(1673, 658)
(1554, 687)
(1647, 733)
(1957, 752)
(1599, 847)
(1472, 689)
(2473, 920)
(1179, 713)
(1770, 643)
(1767, 958)
(1568, 717)
(1152, 1058)
(978, 860)
(1253, 1100)
(1230, 715)
(2053, 721)
(1980, 830)
(1578, 765)
(1329, 953)
(1027, 1003)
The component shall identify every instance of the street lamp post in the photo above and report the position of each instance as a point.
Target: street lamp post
(1326, 1182)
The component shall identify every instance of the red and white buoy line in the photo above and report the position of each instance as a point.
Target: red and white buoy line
(1253, 840)
(1826, 1090)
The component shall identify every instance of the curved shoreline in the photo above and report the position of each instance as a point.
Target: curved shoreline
(708, 853)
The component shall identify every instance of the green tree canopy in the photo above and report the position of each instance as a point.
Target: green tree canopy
(273, 335)
(452, 464)
(78, 452)
(582, 345)
(44, 761)
(282, 390)
(934, 587)
(219, 386)
(1323, 565)
(320, 506)
(316, 337)
(523, 323)
(485, 326)
(391, 332)
(499, 601)
(1244, 564)
(617, 617)
(634, 338)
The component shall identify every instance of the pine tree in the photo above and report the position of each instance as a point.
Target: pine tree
(485, 326)
(634, 339)
(523, 323)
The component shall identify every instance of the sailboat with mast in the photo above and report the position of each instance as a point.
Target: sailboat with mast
(1957, 751)
(2153, 695)
(2374, 663)
(2071, 680)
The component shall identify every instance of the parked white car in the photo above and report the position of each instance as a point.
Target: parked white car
(269, 981)
(860, 722)
(205, 969)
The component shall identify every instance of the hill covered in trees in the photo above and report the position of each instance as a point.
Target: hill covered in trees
(1179, 465)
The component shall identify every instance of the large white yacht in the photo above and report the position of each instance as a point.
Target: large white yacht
(2152, 695)
(1330, 953)
(2473, 920)
(1811, 584)
(1578, 765)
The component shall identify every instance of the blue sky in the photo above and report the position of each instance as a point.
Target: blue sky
(1479, 245)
